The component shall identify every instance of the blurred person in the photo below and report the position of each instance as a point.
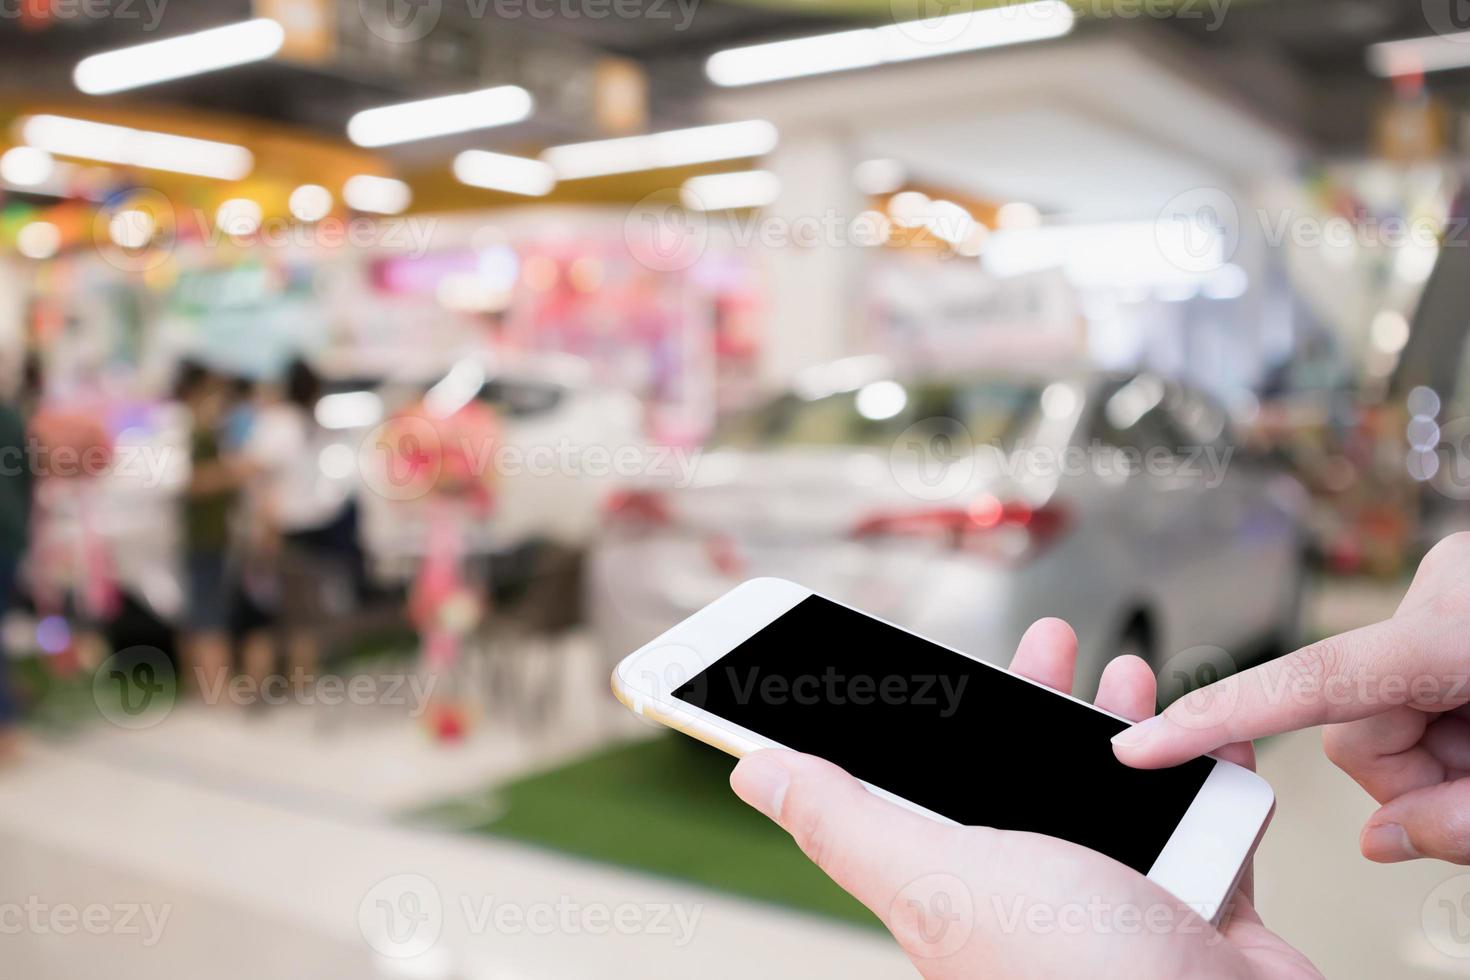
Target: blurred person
(255, 598)
(16, 484)
(210, 501)
(253, 592)
(301, 520)
(239, 414)
(71, 569)
(32, 384)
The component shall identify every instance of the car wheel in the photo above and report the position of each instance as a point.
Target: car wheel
(1291, 631)
(1136, 639)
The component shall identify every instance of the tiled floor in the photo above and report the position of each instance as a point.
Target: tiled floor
(265, 840)
(255, 889)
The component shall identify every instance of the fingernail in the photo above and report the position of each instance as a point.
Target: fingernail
(761, 781)
(1139, 733)
(1388, 842)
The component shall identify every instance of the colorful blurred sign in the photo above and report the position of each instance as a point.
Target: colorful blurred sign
(1410, 130)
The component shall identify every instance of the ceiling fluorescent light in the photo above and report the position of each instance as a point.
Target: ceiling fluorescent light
(26, 166)
(817, 55)
(500, 172)
(724, 192)
(179, 57)
(348, 410)
(455, 390)
(69, 137)
(906, 41)
(379, 195)
(1438, 52)
(427, 118)
(675, 148)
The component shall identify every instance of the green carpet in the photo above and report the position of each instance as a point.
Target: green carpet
(662, 806)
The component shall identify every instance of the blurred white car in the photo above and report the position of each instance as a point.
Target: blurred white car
(965, 508)
(555, 425)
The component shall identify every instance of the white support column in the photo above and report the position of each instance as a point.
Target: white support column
(813, 267)
(14, 291)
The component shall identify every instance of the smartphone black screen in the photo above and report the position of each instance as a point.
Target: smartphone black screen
(962, 738)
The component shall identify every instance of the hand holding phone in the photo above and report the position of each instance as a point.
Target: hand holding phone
(975, 900)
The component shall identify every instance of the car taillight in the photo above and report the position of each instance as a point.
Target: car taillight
(635, 508)
(1006, 529)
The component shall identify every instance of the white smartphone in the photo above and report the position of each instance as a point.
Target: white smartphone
(774, 665)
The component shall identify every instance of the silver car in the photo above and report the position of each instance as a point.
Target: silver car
(967, 507)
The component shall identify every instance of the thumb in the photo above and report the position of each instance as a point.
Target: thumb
(1430, 822)
(886, 857)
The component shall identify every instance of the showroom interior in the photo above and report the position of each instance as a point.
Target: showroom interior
(376, 374)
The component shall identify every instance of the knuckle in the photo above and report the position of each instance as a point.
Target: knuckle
(1449, 603)
(1450, 554)
(1452, 546)
(1308, 669)
(1204, 707)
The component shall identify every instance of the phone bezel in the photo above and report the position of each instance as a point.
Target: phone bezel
(1200, 864)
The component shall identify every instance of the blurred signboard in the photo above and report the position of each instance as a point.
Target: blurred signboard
(432, 45)
(620, 97)
(413, 39)
(560, 74)
(311, 31)
(1410, 130)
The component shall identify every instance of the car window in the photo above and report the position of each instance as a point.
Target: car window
(521, 399)
(877, 413)
(1199, 420)
(1132, 416)
(995, 414)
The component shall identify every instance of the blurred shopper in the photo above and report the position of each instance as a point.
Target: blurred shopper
(303, 521)
(16, 482)
(256, 593)
(239, 414)
(209, 505)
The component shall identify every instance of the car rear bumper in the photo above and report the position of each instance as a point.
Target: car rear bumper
(640, 588)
